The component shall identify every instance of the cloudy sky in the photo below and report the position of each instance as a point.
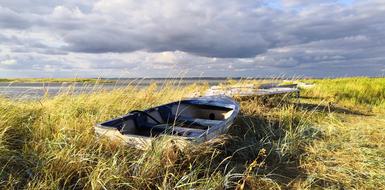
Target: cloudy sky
(168, 38)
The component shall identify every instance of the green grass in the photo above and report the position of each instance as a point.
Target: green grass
(361, 92)
(326, 141)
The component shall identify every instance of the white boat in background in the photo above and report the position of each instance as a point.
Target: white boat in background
(305, 85)
(250, 90)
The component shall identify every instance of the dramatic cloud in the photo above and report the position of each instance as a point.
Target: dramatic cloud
(202, 37)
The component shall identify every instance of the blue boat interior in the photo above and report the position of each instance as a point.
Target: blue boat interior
(185, 118)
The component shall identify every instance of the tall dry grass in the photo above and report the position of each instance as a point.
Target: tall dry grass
(50, 144)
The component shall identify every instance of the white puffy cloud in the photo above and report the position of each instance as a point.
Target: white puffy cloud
(8, 62)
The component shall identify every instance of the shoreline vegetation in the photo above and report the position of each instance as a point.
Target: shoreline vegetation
(333, 137)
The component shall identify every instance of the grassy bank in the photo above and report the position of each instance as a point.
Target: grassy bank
(364, 93)
(333, 138)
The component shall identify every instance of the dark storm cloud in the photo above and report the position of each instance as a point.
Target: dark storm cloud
(208, 32)
(239, 32)
(11, 19)
(243, 36)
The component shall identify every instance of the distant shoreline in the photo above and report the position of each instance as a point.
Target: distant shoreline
(112, 80)
(54, 80)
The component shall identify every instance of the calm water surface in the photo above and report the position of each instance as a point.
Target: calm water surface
(38, 90)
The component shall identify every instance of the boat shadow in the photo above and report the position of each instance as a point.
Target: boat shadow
(330, 108)
(256, 139)
(257, 134)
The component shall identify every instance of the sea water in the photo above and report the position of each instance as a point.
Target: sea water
(21, 90)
